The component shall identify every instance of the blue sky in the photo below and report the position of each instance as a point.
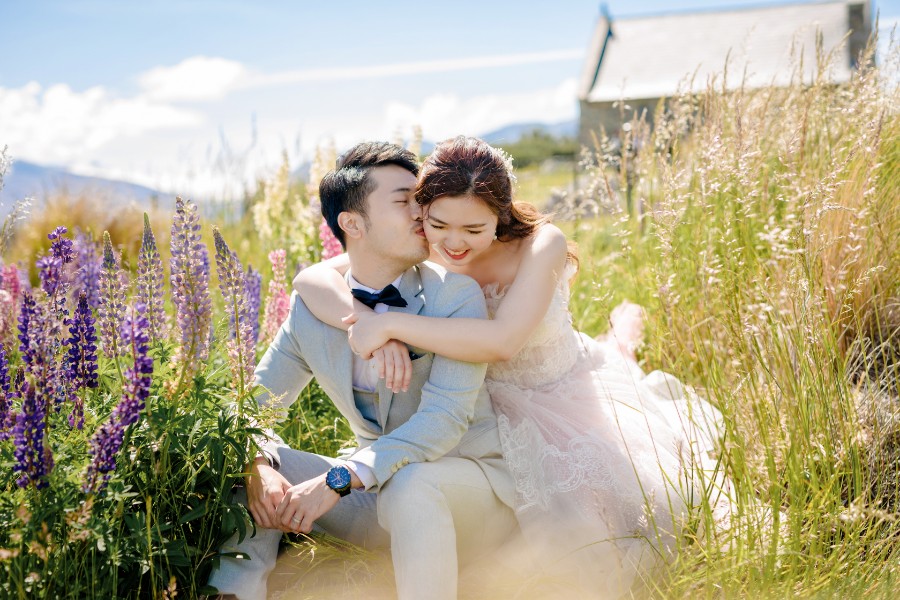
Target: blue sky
(169, 93)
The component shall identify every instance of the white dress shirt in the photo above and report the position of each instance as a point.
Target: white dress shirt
(365, 377)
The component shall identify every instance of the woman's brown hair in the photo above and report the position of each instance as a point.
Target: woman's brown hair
(467, 166)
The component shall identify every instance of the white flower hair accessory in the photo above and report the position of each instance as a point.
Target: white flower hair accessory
(508, 161)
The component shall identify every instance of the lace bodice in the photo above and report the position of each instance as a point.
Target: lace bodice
(549, 353)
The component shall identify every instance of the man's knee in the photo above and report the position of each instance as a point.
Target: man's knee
(407, 492)
(409, 483)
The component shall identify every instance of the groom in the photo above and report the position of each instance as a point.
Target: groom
(428, 478)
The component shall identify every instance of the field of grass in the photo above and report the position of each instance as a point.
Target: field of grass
(762, 241)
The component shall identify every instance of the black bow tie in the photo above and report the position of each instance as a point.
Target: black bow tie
(389, 295)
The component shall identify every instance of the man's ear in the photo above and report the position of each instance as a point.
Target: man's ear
(351, 224)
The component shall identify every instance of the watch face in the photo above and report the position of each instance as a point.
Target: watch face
(338, 478)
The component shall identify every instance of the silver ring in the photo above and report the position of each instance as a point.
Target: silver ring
(295, 520)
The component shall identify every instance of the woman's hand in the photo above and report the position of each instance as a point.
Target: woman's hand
(394, 365)
(366, 333)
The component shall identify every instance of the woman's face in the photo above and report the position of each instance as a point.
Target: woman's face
(459, 228)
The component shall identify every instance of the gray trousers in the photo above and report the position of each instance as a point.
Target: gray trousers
(434, 516)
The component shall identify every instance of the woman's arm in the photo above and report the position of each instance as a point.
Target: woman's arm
(325, 292)
(478, 340)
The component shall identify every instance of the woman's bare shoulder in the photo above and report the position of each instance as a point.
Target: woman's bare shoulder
(548, 239)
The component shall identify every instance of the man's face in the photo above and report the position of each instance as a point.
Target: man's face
(394, 230)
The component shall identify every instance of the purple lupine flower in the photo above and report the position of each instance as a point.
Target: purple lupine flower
(5, 398)
(331, 247)
(50, 267)
(189, 276)
(61, 248)
(107, 440)
(87, 269)
(241, 354)
(81, 359)
(112, 300)
(40, 337)
(253, 294)
(32, 319)
(278, 304)
(14, 391)
(150, 283)
(50, 272)
(34, 460)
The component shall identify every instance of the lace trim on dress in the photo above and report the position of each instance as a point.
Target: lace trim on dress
(543, 470)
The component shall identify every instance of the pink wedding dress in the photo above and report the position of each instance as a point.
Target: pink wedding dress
(607, 460)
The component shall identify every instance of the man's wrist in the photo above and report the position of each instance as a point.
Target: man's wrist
(355, 481)
(339, 479)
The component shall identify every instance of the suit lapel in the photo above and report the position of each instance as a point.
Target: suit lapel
(412, 291)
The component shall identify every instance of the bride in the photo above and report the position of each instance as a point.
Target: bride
(605, 458)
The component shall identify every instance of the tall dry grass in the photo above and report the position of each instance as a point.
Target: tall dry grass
(763, 241)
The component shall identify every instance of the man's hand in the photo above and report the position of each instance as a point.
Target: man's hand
(304, 503)
(265, 490)
(367, 333)
(394, 366)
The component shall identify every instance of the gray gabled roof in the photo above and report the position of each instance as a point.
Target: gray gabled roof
(648, 57)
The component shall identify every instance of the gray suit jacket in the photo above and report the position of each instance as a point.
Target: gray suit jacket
(446, 412)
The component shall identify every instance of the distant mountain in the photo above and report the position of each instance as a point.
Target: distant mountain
(511, 134)
(26, 179)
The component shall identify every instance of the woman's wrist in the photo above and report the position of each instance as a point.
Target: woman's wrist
(388, 325)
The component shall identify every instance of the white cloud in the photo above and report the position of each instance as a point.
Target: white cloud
(204, 78)
(412, 68)
(59, 125)
(149, 138)
(445, 115)
(194, 79)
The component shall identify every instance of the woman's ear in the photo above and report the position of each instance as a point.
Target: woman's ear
(351, 224)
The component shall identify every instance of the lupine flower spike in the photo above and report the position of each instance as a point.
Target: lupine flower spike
(37, 335)
(87, 269)
(10, 298)
(5, 398)
(34, 460)
(253, 293)
(50, 267)
(278, 304)
(331, 247)
(81, 359)
(107, 440)
(112, 302)
(190, 290)
(241, 354)
(150, 283)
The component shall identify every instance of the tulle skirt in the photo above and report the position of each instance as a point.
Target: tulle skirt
(609, 465)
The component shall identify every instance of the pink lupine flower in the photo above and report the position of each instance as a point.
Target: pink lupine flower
(331, 247)
(278, 304)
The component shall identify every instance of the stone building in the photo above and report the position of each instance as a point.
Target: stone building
(643, 59)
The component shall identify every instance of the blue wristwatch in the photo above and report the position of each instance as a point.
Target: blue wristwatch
(338, 479)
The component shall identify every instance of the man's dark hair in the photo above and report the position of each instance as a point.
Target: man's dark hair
(346, 188)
